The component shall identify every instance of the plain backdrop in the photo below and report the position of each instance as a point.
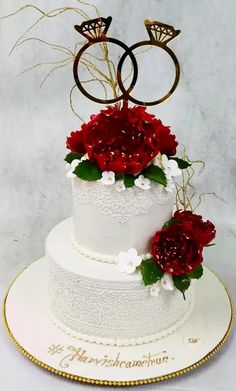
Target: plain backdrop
(34, 191)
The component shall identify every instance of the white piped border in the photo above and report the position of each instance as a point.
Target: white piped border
(98, 256)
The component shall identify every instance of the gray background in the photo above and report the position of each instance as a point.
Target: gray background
(34, 190)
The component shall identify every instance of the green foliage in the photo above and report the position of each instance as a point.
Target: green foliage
(150, 272)
(156, 174)
(88, 171)
(197, 273)
(72, 156)
(182, 283)
(182, 164)
(129, 180)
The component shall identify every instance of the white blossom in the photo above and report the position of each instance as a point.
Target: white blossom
(108, 178)
(157, 161)
(70, 174)
(142, 182)
(128, 261)
(170, 167)
(120, 186)
(155, 289)
(71, 167)
(170, 186)
(167, 282)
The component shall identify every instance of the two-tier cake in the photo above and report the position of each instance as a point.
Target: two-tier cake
(120, 270)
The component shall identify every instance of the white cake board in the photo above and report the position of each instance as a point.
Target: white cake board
(27, 323)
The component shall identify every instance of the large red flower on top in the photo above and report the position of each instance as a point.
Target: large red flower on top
(75, 142)
(124, 140)
(176, 250)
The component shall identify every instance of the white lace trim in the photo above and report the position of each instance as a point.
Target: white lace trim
(113, 312)
(124, 341)
(121, 205)
(99, 256)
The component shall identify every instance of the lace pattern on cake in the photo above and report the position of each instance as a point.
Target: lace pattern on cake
(111, 311)
(122, 205)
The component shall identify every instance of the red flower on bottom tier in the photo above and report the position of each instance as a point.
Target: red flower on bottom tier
(204, 230)
(176, 250)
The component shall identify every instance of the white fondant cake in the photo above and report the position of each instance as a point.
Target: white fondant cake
(93, 300)
(107, 221)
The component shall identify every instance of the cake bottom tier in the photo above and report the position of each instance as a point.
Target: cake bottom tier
(93, 301)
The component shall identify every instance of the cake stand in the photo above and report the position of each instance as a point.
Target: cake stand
(29, 326)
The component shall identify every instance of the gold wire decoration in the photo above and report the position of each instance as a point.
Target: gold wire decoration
(81, 379)
(187, 197)
(106, 79)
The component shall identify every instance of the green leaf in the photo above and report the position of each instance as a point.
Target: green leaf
(156, 174)
(150, 272)
(169, 223)
(88, 171)
(72, 156)
(182, 283)
(197, 273)
(182, 164)
(210, 245)
(129, 180)
(120, 175)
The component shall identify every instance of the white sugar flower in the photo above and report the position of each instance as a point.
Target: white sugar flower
(108, 178)
(120, 186)
(167, 282)
(72, 166)
(74, 163)
(84, 157)
(170, 186)
(155, 289)
(170, 167)
(157, 161)
(70, 174)
(142, 182)
(128, 261)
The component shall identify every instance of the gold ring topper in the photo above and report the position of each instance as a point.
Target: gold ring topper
(95, 31)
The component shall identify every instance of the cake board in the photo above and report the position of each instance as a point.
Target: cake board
(29, 326)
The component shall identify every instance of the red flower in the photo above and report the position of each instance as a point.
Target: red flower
(166, 140)
(123, 140)
(204, 230)
(75, 142)
(176, 250)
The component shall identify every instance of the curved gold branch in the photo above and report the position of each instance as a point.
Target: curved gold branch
(41, 64)
(72, 105)
(206, 194)
(90, 5)
(99, 80)
(53, 70)
(52, 45)
(50, 14)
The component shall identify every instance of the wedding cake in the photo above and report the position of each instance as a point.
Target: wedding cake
(120, 269)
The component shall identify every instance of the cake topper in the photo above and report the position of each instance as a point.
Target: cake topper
(95, 31)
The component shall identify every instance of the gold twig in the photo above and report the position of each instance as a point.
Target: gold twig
(53, 70)
(52, 45)
(72, 106)
(41, 64)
